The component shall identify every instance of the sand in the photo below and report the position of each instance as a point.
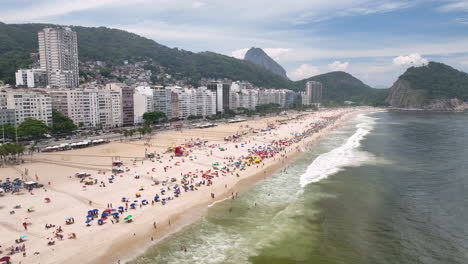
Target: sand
(111, 242)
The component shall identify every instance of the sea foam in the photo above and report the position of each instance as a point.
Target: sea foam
(346, 155)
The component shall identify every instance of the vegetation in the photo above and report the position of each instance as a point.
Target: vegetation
(62, 125)
(439, 80)
(8, 131)
(33, 129)
(341, 86)
(11, 151)
(152, 117)
(113, 46)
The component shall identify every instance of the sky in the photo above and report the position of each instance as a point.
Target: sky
(374, 40)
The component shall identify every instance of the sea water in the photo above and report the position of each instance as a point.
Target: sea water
(385, 188)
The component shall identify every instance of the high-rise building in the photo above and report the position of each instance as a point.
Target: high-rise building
(313, 93)
(110, 108)
(222, 91)
(162, 100)
(143, 102)
(80, 105)
(58, 52)
(127, 104)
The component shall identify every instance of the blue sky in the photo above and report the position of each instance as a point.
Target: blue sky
(375, 40)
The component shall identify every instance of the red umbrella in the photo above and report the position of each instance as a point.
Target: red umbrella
(47, 199)
(4, 259)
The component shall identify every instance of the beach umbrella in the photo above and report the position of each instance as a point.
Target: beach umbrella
(30, 207)
(5, 259)
(23, 236)
(121, 207)
(128, 217)
(112, 210)
(89, 216)
(136, 201)
(10, 248)
(115, 214)
(69, 218)
(47, 199)
(132, 204)
(143, 201)
(88, 221)
(95, 210)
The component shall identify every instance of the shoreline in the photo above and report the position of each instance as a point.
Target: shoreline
(242, 185)
(125, 242)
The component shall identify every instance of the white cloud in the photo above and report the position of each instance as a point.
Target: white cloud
(414, 58)
(454, 5)
(276, 53)
(338, 66)
(240, 53)
(197, 4)
(304, 71)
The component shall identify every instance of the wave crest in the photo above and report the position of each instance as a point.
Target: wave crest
(346, 155)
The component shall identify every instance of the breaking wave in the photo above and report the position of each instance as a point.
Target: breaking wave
(346, 155)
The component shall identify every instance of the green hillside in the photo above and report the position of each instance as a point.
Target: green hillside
(113, 46)
(438, 80)
(341, 86)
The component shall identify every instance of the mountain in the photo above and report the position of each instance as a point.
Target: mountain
(434, 86)
(341, 86)
(259, 57)
(113, 46)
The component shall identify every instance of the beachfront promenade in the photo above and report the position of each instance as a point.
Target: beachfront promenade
(108, 202)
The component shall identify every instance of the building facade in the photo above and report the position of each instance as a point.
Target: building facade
(313, 93)
(31, 78)
(29, 104)
(58, 52)
(80, 105)
(143, 102)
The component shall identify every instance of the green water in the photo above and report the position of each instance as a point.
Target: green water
(390, 188)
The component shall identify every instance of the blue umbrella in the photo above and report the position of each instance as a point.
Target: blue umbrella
(23, 236)
(95, 210)
(136, 201)
(90, 211)
(143, 201)
(120, 207)
(89, 216)
(132, 204)
(115, 214)
(104, 214)
(88, 221)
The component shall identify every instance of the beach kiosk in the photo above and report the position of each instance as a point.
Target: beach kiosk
(117, 163)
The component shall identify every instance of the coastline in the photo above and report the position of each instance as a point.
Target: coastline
(242, 185)
(127, 242)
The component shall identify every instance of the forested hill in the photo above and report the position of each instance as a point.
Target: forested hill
(341, 86)
(113, 46)
(435, 86)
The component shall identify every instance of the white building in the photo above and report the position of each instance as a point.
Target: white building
(58, 51)
(80, 105)
(29, 104)
(143, 102)
(31, 78)
(205, 101)
(110, 108)
(162, 100)
(312, 94)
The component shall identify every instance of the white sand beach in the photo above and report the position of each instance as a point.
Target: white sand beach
(210, 169)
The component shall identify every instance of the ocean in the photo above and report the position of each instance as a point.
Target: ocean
(387, 187)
